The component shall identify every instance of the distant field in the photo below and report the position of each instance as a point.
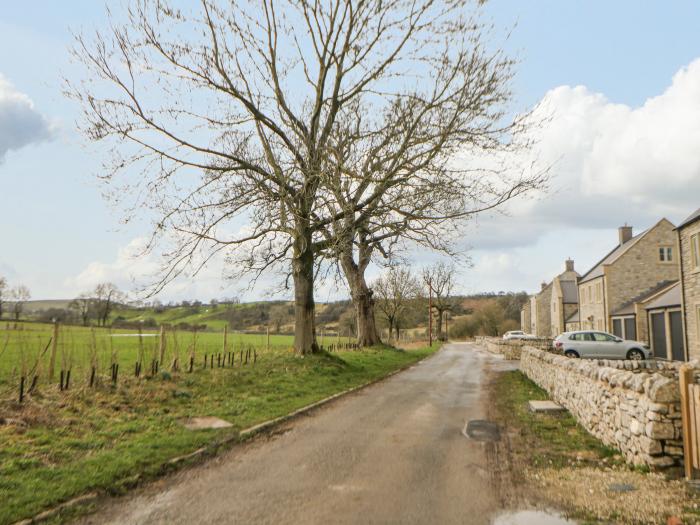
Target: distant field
(26, 349)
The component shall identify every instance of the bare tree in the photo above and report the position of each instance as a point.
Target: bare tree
(105, 297)
(3, 291)
(234, 111)
(19, 295)
(84, 306)
(394, 292)
(440, 278)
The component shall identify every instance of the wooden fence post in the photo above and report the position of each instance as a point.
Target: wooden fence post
(54, 346)
(225, 338)
(268, 338)
(162, 344)
(685, 379)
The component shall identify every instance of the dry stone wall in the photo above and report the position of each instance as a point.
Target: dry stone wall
(630, 405)
(511, 349)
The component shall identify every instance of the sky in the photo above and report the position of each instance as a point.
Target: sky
(619, 80)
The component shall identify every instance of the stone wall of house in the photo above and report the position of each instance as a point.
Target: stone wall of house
(589, 307)
(544, 317)
(640, 269)
(691, 291)
(569, 310)
(630, 405)
(525, 317)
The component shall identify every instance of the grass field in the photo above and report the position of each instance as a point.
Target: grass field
(57, 445)
(25, 350)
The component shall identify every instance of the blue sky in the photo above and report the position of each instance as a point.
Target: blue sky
(59, 237)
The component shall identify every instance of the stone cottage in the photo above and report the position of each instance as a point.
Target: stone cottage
(636, 266)
(688, 236)
(564, 300)
(540, 311)
(525, 320)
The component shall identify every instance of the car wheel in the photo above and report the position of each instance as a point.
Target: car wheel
(635, 355)
(571, 353)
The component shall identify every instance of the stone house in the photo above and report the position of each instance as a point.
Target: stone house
(688, 237)
(564, 300)
(540, 311)
(525, 321)
(635, 267)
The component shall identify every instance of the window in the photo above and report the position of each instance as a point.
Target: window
(600, 324)
(617, 327)
(695, 251)
(666, 254)
(602, 337)
(697, 321)
(599, 292)
(581, 337)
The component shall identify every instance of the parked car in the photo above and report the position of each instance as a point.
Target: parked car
(600, 345)
(517, 334)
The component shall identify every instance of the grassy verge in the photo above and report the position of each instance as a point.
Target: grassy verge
(547, 439)
(556, 462)
(64, 444)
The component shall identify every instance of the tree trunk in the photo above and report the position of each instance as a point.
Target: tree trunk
(362, 301)
(304, 308)
(439, 326)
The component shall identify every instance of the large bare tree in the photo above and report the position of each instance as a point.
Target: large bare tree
(227, 123)
(394, 292)
(440, 280)
(19, 295)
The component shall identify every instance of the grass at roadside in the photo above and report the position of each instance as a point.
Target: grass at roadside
(552, 440)
(556, 462)
(66, 444)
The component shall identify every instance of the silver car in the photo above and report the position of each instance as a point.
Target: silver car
(600, 345)
(516, 334)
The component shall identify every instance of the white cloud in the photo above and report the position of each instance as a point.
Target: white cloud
(611, 163)
(20, 123)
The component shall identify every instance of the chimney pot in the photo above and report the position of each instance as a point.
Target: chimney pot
(544, 285)
(625, 234)
(569, 265)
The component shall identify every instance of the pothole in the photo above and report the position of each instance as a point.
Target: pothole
(482, 430)
(531, 517)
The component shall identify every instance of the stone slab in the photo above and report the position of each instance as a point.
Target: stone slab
(202, 423)
(544, 406)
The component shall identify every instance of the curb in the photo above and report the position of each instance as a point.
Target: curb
(212, 448)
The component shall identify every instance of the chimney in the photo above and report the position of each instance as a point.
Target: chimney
(544, 285)
(625, 233)
(569, 265)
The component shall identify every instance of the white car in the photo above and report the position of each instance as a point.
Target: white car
(600, 345)
(516, 334)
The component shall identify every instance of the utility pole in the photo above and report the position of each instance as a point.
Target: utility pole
(430, 312)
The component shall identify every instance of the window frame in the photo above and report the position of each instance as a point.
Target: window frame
(666, 254)
(695, 251)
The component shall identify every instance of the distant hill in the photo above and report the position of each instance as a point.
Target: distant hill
(33, 307)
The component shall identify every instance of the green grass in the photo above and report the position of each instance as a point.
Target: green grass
(105, 437)
(24, 349)
(548, 440)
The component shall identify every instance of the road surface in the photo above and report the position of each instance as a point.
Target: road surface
(391, 453)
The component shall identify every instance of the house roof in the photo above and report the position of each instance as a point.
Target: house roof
(569, 290)
(616, 253)
(628, 307)
(695, 216)
(611, 257)
(574, 318)
(670, 297)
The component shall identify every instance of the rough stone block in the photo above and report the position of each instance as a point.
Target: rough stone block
(660, 430)
(544, 406)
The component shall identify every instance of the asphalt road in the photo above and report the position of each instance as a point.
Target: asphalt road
(392, 453)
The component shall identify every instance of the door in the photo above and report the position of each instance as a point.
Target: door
(606, 346)
(658, 335)
(677, 348)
